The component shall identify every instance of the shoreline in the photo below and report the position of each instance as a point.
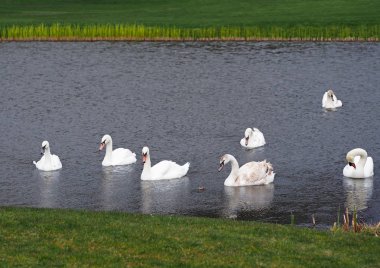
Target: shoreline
(64, 237)
(188, 40)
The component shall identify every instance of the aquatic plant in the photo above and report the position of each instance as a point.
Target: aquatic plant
(291, 218)
(94, 32)
(352, 224)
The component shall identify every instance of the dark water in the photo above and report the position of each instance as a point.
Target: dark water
(190, 102)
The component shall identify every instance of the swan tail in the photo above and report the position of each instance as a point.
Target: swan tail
(368, 168)
(186, 168)
(35, 163)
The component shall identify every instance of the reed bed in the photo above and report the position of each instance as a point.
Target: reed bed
(72, 32)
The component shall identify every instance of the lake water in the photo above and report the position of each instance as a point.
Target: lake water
(190, 102)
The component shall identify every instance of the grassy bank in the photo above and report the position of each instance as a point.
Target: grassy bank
(324, 20)
(44, 237)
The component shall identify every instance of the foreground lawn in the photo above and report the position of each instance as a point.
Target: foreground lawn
(45, 237)
(192, 13)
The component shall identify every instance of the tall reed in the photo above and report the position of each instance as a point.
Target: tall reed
(72, 32)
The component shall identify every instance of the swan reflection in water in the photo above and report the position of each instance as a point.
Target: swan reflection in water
(116, 185)
(358, 192)
(164, 196)
(248, 198)
(48, 186)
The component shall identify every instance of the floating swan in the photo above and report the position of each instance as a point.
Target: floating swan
(48, 161)
(252, 173)
(119, 156)
(163, 170)
(360, 165)
(252, 138)
(330, 101)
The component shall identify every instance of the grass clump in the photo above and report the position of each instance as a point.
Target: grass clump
(351, 223)
(46, 237)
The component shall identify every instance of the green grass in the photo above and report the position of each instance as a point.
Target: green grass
(45, 237)
(190, 20)
(192, 13)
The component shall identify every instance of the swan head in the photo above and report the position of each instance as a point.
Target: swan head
(247, 134)
(105, 140)
(223, 160)
(350, 157)
(330, 94)
(44, 146)
(145, 153)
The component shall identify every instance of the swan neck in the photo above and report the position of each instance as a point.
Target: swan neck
(47, 154)
(108, 155)
(147, 167)
(234, 166)
(363, 158)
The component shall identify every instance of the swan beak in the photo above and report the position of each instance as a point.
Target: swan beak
(43, 150)
(352, 165)
(144, 158)
(101, 146)
(221, 165)
(246, 141)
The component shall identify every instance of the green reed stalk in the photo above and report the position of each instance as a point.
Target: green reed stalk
(72, 32)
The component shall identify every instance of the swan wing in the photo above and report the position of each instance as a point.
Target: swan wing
(121, 156)
(368, 167)
(338, 103)
(324, 99)
(56, 162)
(161, 168)
(169, 170)
(255, 173)
(258, 138)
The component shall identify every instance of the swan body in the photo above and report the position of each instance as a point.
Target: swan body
(360, 165)
(252, 138)
(251, 173)
(48, 161)
(330, 101)
(115, 157)
(164, 170)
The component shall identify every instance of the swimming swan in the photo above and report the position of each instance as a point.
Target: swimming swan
(252, 138)
(117, 157)
(164, 170)
(330, 101)
(360, 165)
(48, 161)
(251, 173)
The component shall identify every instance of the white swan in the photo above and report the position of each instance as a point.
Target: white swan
(48, 161)
(164, 170)
(117, 157)
(330, 101)
(252, 138)
(251, 173)
(360, 165)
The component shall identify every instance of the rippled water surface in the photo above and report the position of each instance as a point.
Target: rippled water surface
(190, 102)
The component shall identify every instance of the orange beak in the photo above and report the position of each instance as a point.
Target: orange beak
(101, 146)
(144, 158)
